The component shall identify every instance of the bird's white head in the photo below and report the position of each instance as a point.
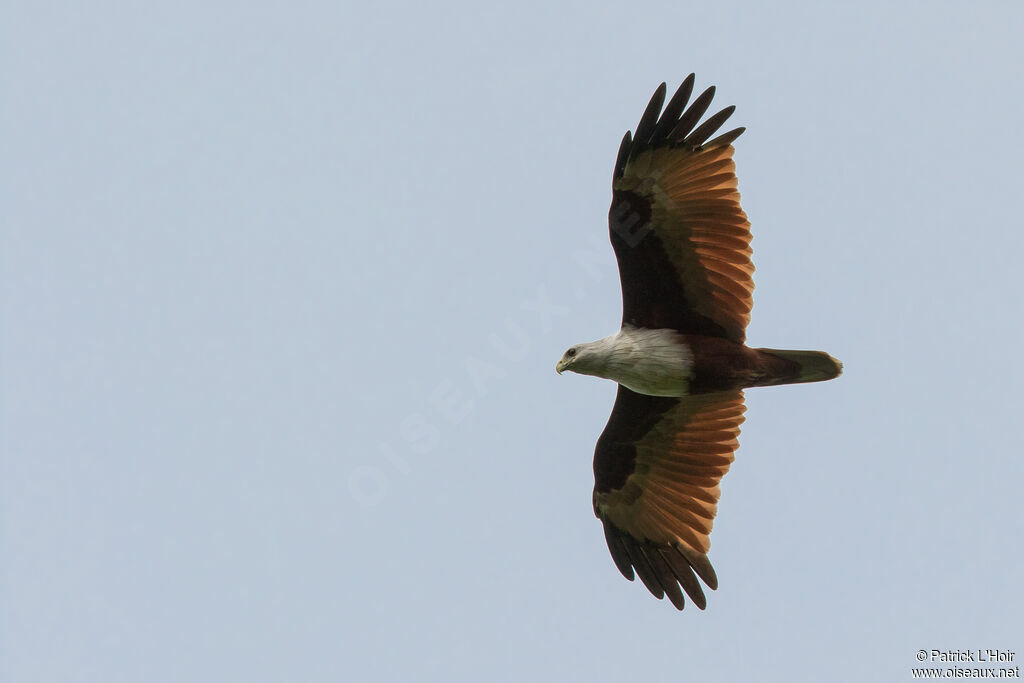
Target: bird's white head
(567, 359)
(586, 359)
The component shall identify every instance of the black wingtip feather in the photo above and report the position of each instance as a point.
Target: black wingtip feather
(684, 573)
(645, 128)
(725, 139)
(705, 130)
(666, 577)
(664, 570)
(675, 107)
(702, 566)
(618, 550)
(692, 115)
(642, 567)
(674, 127)
(623, 157)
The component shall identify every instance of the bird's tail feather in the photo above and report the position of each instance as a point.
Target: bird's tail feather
(810, 366)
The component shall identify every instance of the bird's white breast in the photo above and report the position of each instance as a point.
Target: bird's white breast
(652, 362)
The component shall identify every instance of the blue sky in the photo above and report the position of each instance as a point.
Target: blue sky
(283, 287)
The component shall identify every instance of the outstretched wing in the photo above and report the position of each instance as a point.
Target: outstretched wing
(656, 472)
(680, 237)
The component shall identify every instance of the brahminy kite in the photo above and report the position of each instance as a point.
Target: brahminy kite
(682, 243)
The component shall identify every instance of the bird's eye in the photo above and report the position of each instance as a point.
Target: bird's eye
(571, 353)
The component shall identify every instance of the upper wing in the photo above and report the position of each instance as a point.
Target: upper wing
(680, 237)
(656, 469)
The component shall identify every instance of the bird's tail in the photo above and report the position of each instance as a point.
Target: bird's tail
(803, 366)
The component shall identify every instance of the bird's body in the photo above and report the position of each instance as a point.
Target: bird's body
(665, 362)
(682, 243)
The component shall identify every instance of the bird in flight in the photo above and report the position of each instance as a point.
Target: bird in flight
(682, 243)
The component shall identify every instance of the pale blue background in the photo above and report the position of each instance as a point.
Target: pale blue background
(283, 289)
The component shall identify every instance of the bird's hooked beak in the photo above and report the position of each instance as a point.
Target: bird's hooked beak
(561, 365)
